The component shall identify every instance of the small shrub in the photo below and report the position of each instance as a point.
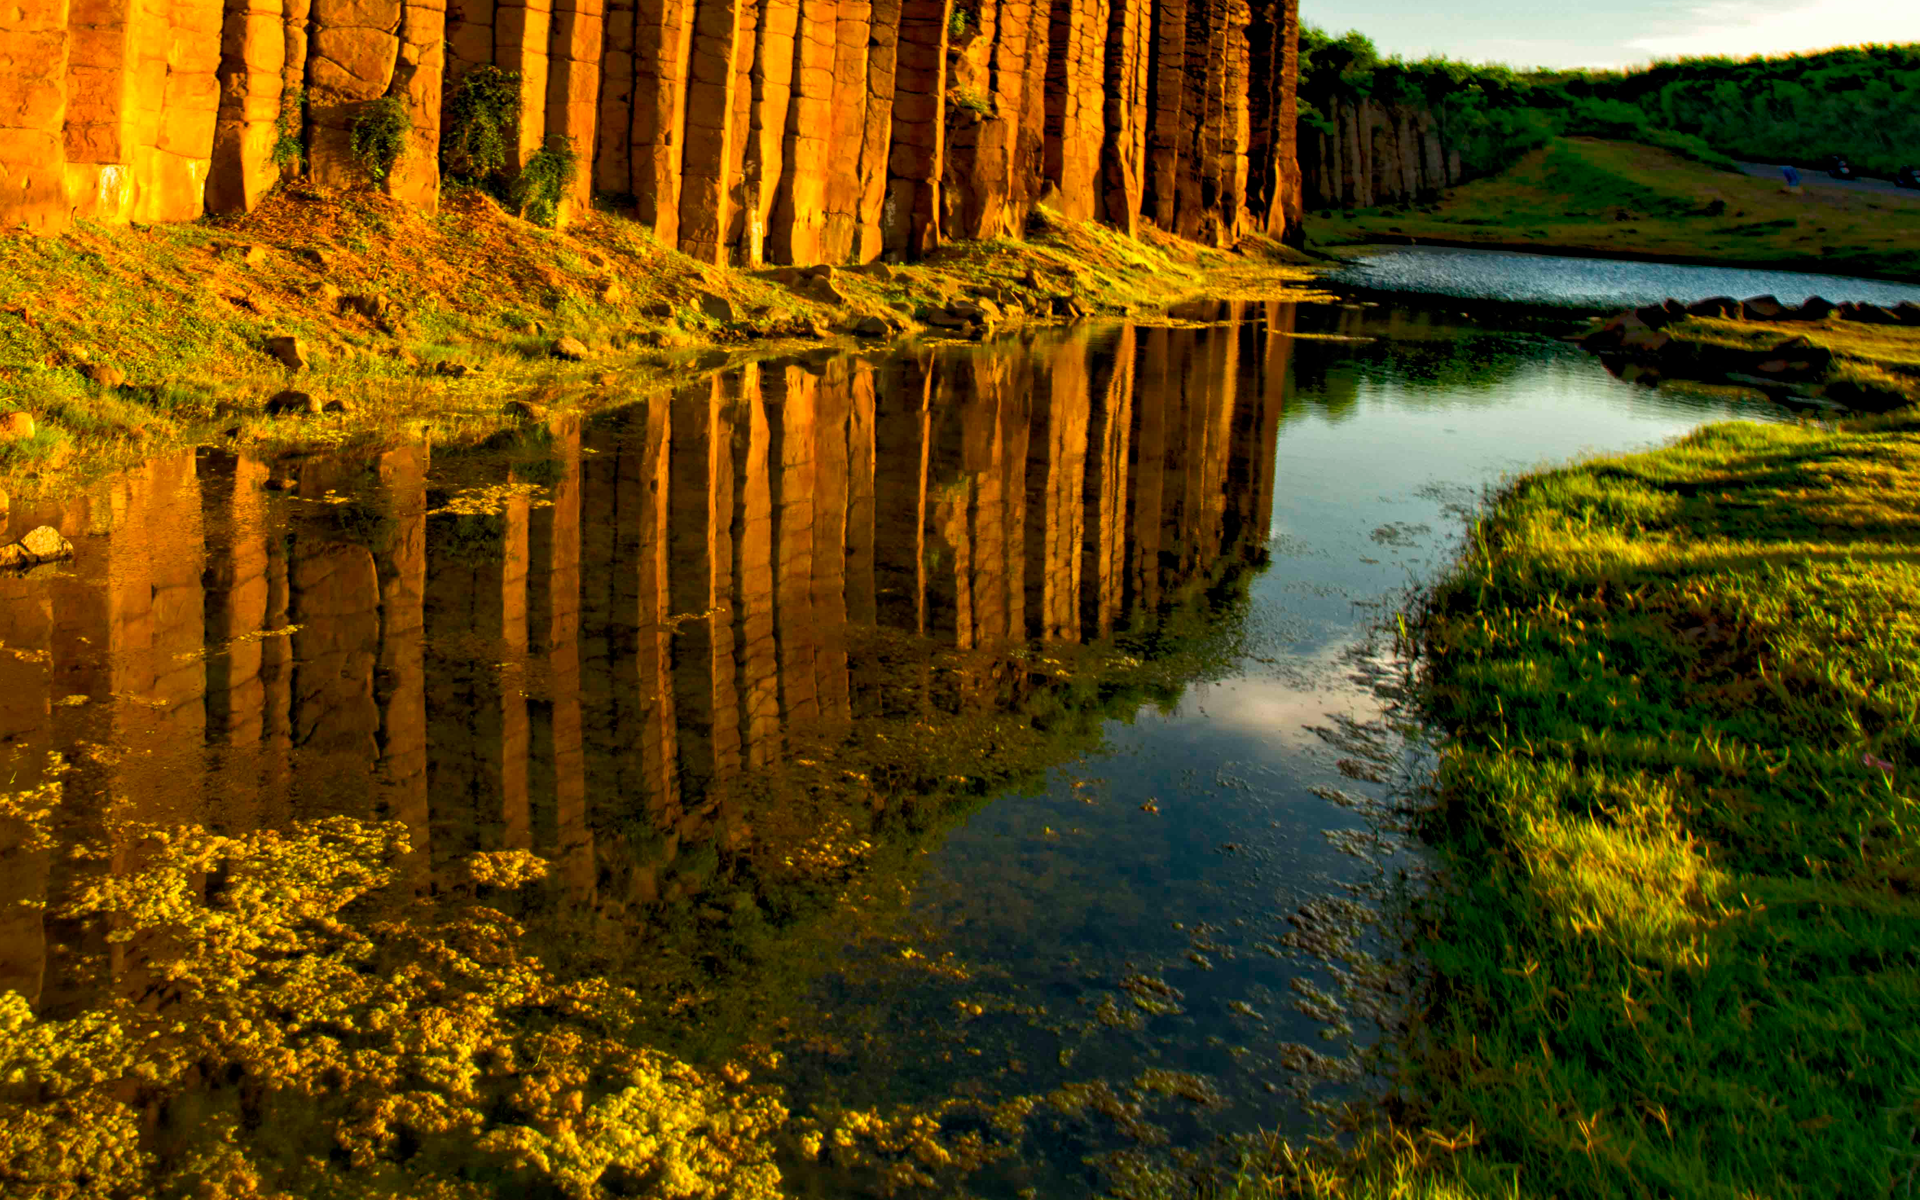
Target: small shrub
(544, 181)
(481, 125)
(379, 136)
(969, 100)
(957, 24)
(287, 146)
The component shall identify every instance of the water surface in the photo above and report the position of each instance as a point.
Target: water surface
(969, 729)
(1550, 279)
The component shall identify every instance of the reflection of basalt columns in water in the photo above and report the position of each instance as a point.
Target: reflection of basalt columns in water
(1249, 486)
(1148, 468)
(678, 612)
(946, 562)
(700, 583)
(234, 583)
(156, 627)
(832, 532)
(1056, 487)
(399, 685)
(626, 670)
(752, 595)
(333, 592)
(792, 405)
(26, 730)
(1109, 441)
(476, 618)
(901, 436)
(861, 465)
(558, 767)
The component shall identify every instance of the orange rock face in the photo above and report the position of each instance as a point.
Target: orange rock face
(743, 131)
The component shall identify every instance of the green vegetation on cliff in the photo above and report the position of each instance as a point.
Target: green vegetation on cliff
(1674, 947)
(1626, 199)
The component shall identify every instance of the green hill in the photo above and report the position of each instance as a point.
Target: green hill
(1625, 199)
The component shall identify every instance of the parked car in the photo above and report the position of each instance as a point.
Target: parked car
(1839, 167)
(1907, 177)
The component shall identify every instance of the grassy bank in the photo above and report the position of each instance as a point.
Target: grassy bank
(1676, 949)
(1872, 368)
(119, 342)
(1623, 199)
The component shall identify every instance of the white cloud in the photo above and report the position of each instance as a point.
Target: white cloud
(1736, 30)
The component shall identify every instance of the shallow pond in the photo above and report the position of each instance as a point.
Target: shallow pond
(973, 734)
(1552, 279)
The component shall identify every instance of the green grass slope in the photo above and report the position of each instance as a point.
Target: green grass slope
(1623, 199)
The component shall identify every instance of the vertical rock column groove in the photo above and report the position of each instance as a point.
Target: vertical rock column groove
(742, 131)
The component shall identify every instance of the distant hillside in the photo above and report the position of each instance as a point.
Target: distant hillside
(1862, 102)
(1377, 130)
(1623, 199)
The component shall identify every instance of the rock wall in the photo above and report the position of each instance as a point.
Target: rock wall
(1376, 154)
(745, 131)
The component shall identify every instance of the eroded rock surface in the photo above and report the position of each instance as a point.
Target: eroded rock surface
(744, 131)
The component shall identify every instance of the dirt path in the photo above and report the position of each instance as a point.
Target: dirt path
(1820, 180)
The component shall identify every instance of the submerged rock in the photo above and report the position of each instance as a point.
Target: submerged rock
(43, 544)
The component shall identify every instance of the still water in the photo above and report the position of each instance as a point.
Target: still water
(957, 750)
(1554, 279)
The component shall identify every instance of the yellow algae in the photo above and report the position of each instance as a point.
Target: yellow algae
(360, 1056)
(506, 868)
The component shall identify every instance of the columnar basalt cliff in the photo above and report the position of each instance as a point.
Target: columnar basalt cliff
(1376, 153)
(743, 131)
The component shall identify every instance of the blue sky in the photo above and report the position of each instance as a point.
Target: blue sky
(1613, 33)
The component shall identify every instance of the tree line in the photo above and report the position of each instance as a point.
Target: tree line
(1856, 102)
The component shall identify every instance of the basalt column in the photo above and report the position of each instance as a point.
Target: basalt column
(1123, 154)
(707, 146)
(1274, 194)
(573, 84)
(34, 48)
(1075, 106)
(663, 35)
(995, 119)
(361, 51)
(859, 131)
(253, 59)
(795, 206)
(910, 221)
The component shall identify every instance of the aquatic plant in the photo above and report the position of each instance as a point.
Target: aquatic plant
(365, 1047)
